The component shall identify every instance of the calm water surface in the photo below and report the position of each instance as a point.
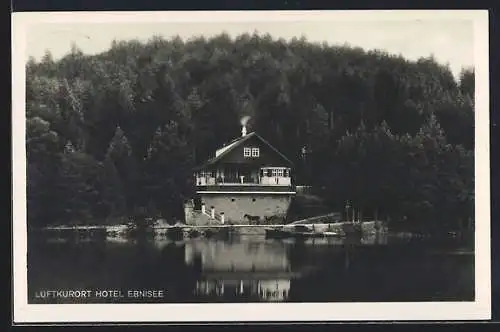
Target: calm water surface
(249, 269)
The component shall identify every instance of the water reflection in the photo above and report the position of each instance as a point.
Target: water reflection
(265, 290)
(253, 269)
(274, 290)
(244, 256)
(263, 270)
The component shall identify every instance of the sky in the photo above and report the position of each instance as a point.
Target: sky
(449, 41)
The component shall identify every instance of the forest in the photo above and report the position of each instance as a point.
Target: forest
(116, 134)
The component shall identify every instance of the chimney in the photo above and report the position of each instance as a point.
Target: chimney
(244, 121)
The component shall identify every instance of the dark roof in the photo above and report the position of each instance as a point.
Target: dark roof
(237, 142)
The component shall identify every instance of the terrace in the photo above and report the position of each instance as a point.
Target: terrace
(245, 178)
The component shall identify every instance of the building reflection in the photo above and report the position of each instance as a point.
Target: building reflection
(249, 270)
(241, 256)
(265, 290)
(274, 290)
(375, 239)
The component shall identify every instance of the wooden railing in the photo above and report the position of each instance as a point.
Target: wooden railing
(247, 180)
(235, 180)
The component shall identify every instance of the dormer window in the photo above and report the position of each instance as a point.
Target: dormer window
(251, 152)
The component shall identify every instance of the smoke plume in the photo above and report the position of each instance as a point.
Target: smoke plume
(244, 120)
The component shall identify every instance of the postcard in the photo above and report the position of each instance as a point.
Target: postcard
(251, 166)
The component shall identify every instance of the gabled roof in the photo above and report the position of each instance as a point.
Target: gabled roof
(227, 147)
(237, 142)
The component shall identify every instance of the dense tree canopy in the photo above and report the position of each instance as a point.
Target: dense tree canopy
(117, 132)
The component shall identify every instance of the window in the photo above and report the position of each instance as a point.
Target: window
(251, 152)
(277, 172)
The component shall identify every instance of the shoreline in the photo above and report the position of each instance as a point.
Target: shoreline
(368, 227)
(181, 233)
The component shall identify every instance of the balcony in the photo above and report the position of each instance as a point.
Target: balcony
(246, 188)
(266, 179)
(243, 181)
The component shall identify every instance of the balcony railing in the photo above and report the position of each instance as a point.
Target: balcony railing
(236, 180)
(244, 181)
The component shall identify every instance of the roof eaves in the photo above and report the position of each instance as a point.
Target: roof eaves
(274, 149)
(236, 143)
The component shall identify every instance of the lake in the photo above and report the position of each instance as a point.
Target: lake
(248, 269)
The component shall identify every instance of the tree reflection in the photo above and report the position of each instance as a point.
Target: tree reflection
(255, 270)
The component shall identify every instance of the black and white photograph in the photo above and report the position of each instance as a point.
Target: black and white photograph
(251, 166)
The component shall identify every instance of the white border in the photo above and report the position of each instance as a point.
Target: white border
(277, 312)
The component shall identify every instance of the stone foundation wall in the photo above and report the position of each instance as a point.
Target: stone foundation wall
(271, 206)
